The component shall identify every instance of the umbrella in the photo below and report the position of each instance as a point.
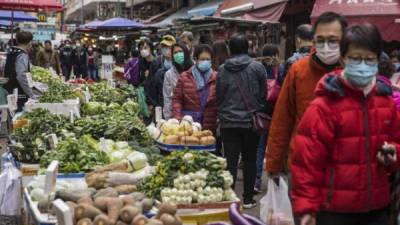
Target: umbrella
(119, 23)
(92, 24)
(18, 16)
(31, 5)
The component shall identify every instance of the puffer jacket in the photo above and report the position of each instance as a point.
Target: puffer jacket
(186, 98)
(170, 79)
(334, 164)
(251, 76)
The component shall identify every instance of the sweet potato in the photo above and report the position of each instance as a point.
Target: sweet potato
(119, 222)
(154, 222)
(168, 208)
(167, 219)
(106, 192)
(101, 203)
(73, 196)
(128, 200)
(96, 180)
(139, 220)
(114, 205)
(119, 166)
(88, 200)
(102, 220)
(128, 212)
(125, 189)
(84, 221)
(86, 211)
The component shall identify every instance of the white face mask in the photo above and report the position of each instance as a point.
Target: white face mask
(328, 55)
(144, 53)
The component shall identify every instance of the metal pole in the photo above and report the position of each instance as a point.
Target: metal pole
(82, 19)
(12, 27)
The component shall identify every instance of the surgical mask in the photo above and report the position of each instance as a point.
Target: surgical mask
(179, 58)
(360, 75)
(397, 66)
(78, 45)
(328, 55)
(145, 53)
(204, 65)
(165, 51)
(167, 64)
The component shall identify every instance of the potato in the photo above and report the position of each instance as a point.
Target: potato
(189, 140)
(209, 140)
(172, 139)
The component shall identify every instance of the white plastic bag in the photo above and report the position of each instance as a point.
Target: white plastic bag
(10, 190)
(276, 208)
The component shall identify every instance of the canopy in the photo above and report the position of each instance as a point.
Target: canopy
(31, 5)
(92, 24)
(18, 16)
(169, 21)
(119, 23)
(264, 10)
(205, 9)
(385, 14)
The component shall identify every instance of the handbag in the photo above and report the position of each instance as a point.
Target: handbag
(273, 87)
(260, 120)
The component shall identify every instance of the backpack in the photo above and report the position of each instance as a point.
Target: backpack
(132, 72)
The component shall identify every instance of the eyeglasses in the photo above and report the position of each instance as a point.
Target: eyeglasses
(332, 44)
(358, 60)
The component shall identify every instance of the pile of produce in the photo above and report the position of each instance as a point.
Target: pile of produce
(43, 75)
(127, 172)
(76, 155)
(31, 138)
(119, 123)
(102, 92)
(57, 92)
(185, 132)
(185, 177)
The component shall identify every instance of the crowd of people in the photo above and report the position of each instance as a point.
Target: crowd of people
(334, 127)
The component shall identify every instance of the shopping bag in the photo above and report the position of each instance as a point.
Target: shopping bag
(275, 206)
(10, 190)
(144, 111)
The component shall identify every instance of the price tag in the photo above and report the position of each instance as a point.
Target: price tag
(158, 112)
(51, 177)
(87, 95)
(63, 213)
(29, 79)
(53, 141)
(71, 116)
(12, 102)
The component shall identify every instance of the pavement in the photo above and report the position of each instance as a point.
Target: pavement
(239, 192)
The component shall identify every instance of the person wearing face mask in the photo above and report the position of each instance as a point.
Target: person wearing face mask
(180, 62)
(146, 58)
(66, 60)
(48, 57)
(348, 140)
(158, 69)
(297, 90)
(194, 94)
(187, 39)
(92, 62)
(79, 60)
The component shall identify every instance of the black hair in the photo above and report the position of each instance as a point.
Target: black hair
(47, 42)
(148, 42)
(202, 48)
(395, 54)
(239, 44)
(305, 32)
(221, 53)
(363, 35)
(270, 50)
(330, 17)
(24, 37)
(188, 61)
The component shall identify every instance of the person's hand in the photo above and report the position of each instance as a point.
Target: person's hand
(388, 158)
(275, 177)
(308, 219)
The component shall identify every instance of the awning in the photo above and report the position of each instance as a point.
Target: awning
(18, 16)
(265, 10)
(205, 9)
(169, 21)
(385, 14)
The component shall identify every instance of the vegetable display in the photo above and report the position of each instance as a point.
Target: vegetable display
(43, 75)
(185, 177)
(57, 92)
(75, 155)
(102, 92)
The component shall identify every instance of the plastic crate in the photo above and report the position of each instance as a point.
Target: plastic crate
(170, 148)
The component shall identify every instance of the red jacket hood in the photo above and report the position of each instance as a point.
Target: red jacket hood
(332, 84)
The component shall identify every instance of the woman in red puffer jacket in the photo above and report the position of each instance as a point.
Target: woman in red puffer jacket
(195, 94)
(340, 174)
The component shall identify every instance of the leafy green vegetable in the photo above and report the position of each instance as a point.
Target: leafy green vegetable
(57, 92)
(76, 155)
(43, 75)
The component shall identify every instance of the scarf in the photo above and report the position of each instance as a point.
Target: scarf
(201, 78)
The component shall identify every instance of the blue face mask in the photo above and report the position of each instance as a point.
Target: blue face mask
(204, 65)
(397, 66)
(167, 64)
(360, 75)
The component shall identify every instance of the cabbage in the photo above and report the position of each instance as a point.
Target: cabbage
(121, 144)
(137, 160)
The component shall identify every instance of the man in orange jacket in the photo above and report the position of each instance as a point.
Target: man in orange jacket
(298, 88)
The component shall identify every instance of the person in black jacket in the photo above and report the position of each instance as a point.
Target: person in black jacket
(240, 75)
(79, 60)
(66, 59)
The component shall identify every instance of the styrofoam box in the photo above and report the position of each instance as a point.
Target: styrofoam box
(63, 108)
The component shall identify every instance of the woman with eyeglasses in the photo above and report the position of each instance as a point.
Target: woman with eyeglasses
(348, 140)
